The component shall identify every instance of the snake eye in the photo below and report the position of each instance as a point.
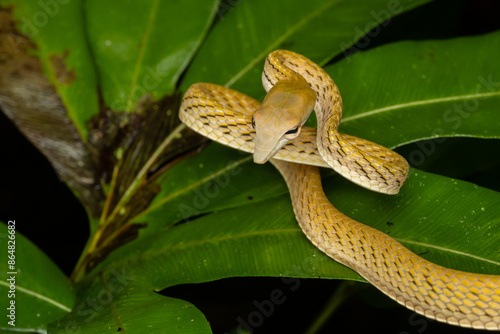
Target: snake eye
(253, 123)
(293, 133)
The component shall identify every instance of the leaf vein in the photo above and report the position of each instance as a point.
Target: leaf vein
(418, 103)
(142, 50)
(280, 39)
(39, 296)
(443, 249)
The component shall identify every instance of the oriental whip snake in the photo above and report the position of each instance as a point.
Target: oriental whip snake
(274, 130)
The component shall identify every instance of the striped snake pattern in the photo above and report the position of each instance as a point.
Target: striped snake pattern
(226, 116)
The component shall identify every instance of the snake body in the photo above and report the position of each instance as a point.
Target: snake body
(226, 116)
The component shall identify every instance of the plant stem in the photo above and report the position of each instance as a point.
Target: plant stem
(106, 219)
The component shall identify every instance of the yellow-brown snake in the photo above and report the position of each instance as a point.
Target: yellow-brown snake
(275, 130)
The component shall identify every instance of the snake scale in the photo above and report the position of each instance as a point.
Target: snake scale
(275, 131)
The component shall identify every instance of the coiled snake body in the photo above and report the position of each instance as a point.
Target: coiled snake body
(274, 130)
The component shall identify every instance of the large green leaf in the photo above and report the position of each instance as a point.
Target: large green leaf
(142, 47)
(255, 239)
(234, 52)
(66, 59)
(131, 50)
(48, 87)
(40, 291)
(120, 302)
(409, 91)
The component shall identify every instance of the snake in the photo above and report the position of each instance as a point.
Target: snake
(274, 131)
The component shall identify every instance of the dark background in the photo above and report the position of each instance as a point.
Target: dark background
(47, 213)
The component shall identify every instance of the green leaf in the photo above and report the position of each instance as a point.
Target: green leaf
(447, 221)
(52, 110)
(42, 293)
(226, 243)
(66, 59)
(143, 47)
(120, 302)
(202, 184)
(450, 222)
(234, 52)
(220, 193)
(408, 91)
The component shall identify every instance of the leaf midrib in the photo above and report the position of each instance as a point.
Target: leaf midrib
(194, 185)
(159, 252)
(278, 40)
(142, 51)
(418, 103)
(443, 249)
(39, 296)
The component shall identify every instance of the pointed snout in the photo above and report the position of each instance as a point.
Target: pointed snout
(266, 146)
(261, 156)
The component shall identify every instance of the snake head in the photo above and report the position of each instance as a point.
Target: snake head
(279, 119)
